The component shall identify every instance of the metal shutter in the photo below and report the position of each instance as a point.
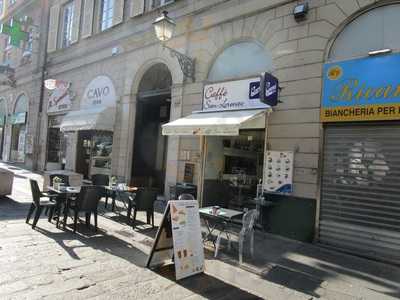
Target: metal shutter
(360, 196)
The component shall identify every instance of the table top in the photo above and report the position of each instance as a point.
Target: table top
(222, 212)
(65, 190)
(116, 188)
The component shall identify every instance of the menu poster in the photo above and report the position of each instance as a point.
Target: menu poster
(186, 232)
(278, 172)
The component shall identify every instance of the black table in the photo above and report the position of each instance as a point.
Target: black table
(220, 222)
(66, 192)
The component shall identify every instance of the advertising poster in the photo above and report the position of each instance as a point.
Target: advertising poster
(278, 173)
(187, 241)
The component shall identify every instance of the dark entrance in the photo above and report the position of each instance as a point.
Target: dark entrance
(152, 111)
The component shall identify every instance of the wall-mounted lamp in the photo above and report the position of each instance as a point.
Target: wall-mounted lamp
(300, 11)
(164, 28)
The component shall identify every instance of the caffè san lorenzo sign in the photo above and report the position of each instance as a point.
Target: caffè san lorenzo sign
(99, 92)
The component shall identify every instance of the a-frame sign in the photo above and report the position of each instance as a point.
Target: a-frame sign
(178, 240)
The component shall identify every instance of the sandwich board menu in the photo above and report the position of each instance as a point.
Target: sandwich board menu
(179, 239)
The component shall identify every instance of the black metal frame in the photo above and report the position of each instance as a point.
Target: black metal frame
(187, 63)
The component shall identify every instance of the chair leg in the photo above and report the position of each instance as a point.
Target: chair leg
(134, 219)
(75, 220)
(106, 202)
(241, 241)
(147, 217)
(51, 213)
(252, 244)
(95, 221)
(37, 216)
(217, 244)
(152, 219)
(113, 203)
(87, 217)
(129, 212)
(31, 209)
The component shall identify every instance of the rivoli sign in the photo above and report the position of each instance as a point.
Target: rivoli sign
(233, 95)
(60, 98)
(100, 91)
(366, 89)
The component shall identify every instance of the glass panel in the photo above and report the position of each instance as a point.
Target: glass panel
(376, 29)
(101, 151)
(54, 145)
(240, 60)
(107, 13)
(68, 16)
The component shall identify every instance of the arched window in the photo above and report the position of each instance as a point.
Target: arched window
(240, 60)
(21, 105)
(374, 30)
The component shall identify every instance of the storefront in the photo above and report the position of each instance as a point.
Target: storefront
(90, 129)
(360, 109)
(18, 121)
(3, 117)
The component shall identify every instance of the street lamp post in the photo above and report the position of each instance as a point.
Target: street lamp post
(164, 28)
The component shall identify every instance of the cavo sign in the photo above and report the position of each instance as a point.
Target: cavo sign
(100, 91)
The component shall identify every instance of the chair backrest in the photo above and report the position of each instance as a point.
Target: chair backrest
(100, 179)
(63, 177)
(35, 191)
(249, 220)
(88, 198)
(186, 197)
(145, 199)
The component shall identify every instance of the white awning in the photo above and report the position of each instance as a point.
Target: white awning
(216, 123)
(95, 118)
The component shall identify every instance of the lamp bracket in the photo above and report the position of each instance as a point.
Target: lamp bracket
(187, 63)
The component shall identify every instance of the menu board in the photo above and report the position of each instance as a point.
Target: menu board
(186, 233)
(179, 238)
(278, 172)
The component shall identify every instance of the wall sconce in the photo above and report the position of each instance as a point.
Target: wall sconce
(300, 11)
(164, 28)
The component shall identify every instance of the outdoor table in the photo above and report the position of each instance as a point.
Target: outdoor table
(114, 189)
(67, 192)
(219, 221)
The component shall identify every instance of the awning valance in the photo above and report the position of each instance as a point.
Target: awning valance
(216, 123)
(95, 118)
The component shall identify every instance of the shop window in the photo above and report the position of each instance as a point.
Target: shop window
(66, 30)
(106, 14)
(54, 145)
(374, 30)
(240, 60)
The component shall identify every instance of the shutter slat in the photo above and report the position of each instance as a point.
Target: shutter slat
(137, 8)
(88, 15)
(118, 17)
(53, 28)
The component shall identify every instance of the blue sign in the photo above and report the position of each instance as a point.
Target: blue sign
(270, 87)
(362, 89)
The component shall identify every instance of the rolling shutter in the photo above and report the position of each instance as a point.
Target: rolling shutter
(76, 21)
(360, 196)
(137, 8)
(118, 12)
(53, 28)
(88, 14)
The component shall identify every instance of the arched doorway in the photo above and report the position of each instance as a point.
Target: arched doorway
(3, 115)
(152, 111)
(360, 203)
(18, 133)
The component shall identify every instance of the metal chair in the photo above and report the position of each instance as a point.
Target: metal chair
(39, 204)
(102, 181)
(186, 197)
(87, 202)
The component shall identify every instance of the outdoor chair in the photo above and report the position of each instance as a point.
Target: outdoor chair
(144, 201)
(39, 204)
(87, 202)
(102, 181)
(127, 198)
(247, 231)
(186, 197)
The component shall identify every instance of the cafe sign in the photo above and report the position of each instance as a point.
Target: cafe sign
(100, 91)
(60, 99)
(233, 95)
(365, 89)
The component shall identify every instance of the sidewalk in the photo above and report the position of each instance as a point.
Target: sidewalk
(54, 264)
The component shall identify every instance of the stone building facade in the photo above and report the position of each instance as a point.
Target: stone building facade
(124, 48)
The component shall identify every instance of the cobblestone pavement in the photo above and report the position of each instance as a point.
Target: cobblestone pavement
(50, 263)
